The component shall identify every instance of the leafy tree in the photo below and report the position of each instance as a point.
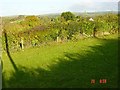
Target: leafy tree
(68, 16)
(32, 21)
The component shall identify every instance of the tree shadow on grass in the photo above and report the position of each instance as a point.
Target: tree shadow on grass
(72, 71)
(8, 51)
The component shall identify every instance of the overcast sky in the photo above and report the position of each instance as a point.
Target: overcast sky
(37, 7)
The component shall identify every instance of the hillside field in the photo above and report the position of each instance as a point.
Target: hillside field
(60, 65)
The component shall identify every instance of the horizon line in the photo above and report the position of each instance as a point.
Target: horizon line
(60, 13)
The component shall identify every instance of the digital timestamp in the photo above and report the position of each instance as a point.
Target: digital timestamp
(101, 81)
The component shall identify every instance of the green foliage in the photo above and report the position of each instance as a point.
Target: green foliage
(87, 26)
(54, 65)
(37, 30)
(68, 16)
(31, 21)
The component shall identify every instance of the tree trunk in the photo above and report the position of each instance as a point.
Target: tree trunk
(94, 32)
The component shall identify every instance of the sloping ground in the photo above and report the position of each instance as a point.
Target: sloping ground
(71, 64)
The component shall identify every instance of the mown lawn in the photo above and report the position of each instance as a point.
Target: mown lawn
(62, 65)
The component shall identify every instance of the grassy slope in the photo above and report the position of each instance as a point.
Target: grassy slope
(71, 64)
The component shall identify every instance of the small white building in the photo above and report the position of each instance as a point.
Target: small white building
(91, 19)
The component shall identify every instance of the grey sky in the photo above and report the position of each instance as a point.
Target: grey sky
(95, 6)
(36, 7)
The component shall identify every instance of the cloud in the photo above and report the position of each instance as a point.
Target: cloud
(100, 1)
(94, 6)
(108, 0)
(15, 7)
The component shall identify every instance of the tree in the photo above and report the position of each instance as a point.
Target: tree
(32, 21)
(68, 16)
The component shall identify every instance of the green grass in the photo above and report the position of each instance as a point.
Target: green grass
(60, 65)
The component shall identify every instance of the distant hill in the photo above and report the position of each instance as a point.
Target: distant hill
(79, 14)
(52, 15)
(92, 14)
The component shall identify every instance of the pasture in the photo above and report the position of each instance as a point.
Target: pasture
(70, 64)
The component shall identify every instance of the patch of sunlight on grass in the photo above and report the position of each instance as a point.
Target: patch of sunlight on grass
(83, 60)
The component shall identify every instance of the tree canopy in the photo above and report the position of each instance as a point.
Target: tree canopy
(68, 16)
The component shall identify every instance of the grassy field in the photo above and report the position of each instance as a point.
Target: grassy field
(60, 65)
